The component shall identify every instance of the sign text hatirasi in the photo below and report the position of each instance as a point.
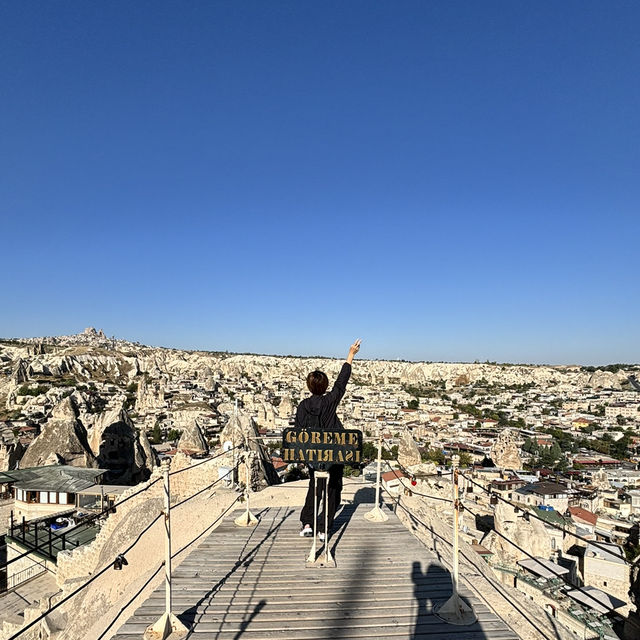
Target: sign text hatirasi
(322, 448)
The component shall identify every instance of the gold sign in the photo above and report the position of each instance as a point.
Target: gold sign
(322, 448)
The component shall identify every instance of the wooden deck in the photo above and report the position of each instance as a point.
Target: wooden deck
(252, 584)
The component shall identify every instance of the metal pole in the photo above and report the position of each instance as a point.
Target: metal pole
(311, 558)
(167, 540)
(247, 519)
(167, 624)
(456, 515)
(377, 514)
(455, 610)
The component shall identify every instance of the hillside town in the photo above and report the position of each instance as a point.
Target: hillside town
(549, 455)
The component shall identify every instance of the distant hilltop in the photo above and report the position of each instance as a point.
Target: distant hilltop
(92, 348)
(89, 337)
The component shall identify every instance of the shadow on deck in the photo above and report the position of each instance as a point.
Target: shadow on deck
(252, 584)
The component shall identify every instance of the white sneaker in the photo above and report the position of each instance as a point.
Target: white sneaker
(306, 532)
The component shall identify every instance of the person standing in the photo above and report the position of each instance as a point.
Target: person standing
(319, 411)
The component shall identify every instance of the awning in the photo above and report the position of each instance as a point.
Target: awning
(596, 599)
(543, 568)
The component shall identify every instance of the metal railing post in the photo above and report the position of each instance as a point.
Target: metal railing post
(328, 561)
(247, 519)
(377, 514)
(455, 610)
(168, 623)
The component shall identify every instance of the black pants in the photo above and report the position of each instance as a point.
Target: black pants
(333, 497)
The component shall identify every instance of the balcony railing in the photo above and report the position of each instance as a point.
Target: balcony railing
(21, 577)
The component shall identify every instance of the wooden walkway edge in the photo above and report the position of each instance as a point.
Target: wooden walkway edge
(252, 584)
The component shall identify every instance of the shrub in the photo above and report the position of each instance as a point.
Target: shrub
(25, 390)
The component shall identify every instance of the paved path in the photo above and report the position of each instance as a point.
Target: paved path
(252, 584)
(14, 602)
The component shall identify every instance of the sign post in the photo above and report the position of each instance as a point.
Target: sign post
(321, 449)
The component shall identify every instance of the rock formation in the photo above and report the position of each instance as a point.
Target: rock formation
(285, 408)
(63, 438)
(600, 480)
(150, 395)
(408, 452)
(241, 430)
(11, 451)
(531, 536)
(117, 447)
(505, 453)
(632, 623)
(21, 373)
(192, 439)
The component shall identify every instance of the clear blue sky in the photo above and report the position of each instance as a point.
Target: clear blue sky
(446, 180)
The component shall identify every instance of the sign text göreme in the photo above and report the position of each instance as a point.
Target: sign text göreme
(322, 448)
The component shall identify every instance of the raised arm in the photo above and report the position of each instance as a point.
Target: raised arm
(340, 385)
(353, 349)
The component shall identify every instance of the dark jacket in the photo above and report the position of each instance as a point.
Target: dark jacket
(320, 411)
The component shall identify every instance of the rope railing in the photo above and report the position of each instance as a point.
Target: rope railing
(210, 486)
(411, 473)
(159, 567)
(92, 579)
(95, 516)
(532, 514)
(84, 521)
(397, 501)
(417, 493)
(539, 562)
(417, 520)
(120, 559)
(205, 460)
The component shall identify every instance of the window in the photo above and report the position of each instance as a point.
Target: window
(52, 497)
(62, 498)
(44, 497)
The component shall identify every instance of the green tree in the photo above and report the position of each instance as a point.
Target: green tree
(466, 460)
(436, 455)
(369, 451)
(156, 434)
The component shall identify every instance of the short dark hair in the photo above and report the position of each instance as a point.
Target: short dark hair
(317, 382)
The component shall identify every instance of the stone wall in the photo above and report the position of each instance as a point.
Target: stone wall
(114, 535)
(98, 604)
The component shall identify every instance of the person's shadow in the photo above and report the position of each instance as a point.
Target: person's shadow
(430, 589)
(341, 521)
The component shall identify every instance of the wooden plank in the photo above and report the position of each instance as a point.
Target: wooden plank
(252, 584)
